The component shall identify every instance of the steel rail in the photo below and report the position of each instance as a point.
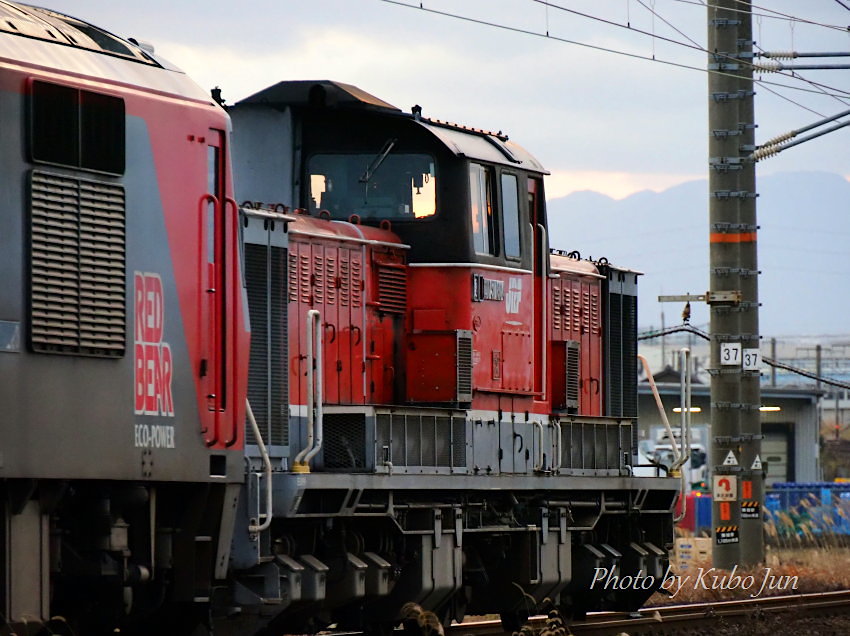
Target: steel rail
(672, 618)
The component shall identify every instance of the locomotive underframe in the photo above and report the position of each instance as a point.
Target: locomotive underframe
(351, 549)
(104, 554)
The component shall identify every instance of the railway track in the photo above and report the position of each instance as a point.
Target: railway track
(672, 619)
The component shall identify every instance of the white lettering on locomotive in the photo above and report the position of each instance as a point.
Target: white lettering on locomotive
(487, 289)
(514, 295)
(153, 360)
(154, 436)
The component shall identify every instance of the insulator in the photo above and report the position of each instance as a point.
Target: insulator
(768, 66)
(780, 55)
(779, 139)
(765, 151)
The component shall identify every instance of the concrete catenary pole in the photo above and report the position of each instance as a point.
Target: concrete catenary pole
(728, 44)
(752, 476)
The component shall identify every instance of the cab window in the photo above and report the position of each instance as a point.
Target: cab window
(481, 207)
(397, 187)
(510, 215)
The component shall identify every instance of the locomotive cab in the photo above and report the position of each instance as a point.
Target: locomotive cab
(468, 203)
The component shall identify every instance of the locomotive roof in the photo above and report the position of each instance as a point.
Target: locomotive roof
(463, 141)
(47, 39)
(44, 24)
(323, 93)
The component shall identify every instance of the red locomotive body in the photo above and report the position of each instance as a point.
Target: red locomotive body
(576, 336)
(355, 276)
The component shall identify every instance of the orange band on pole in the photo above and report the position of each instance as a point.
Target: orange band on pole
(741, 237)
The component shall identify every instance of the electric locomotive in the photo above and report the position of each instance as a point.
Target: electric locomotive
(369, 383)
(123, 331)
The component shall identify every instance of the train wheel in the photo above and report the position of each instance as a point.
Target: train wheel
(454, 609)
(513, 620)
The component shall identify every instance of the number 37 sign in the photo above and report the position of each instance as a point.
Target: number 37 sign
(732, 354)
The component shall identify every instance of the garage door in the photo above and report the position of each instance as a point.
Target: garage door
(774, 451)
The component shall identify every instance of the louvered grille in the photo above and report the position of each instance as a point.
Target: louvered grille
(318, 278)
(293, 277)
(421, 439)
(414, 441)
(585, 312)
(356, 280)
(615, 356)
(77, 266)
(399, 439)
(267, 378)
(575, 323)
(595, 325)
(458, 442)
(344, 281)
(392, 289)
(629, 355)
(557, 308)
(331, 280)
(428, 428)
(464, 366)
(304, 277)
(383, 438)
(443, 434)
(598, 445)
(572, 370)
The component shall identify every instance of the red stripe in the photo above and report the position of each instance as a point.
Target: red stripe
(740, 237)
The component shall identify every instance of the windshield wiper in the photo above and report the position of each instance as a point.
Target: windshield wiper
(366, 177)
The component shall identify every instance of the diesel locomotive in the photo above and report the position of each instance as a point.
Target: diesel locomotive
(295, 362)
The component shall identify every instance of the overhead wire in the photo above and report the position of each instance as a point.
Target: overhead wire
(786, 17)
(671, 25)
(779, 16)
(595, 47)
(816, 85)
(693, 43)
(648, 335)
(767, 88)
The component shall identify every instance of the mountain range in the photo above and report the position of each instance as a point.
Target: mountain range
(803, 241)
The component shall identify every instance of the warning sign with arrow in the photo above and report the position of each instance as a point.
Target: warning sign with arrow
(756, 463)
(730, 459)
(725, 488)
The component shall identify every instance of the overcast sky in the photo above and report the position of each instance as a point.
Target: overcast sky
(596, 120)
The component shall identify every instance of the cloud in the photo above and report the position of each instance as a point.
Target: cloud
(576, 109)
